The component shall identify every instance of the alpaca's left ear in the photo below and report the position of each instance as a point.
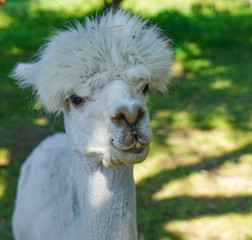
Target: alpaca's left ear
(25, 73)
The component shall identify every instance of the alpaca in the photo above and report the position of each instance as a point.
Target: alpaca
(80, 185)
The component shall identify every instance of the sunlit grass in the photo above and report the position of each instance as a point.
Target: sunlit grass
(14, 50)
(4, 157)
(208, 7)
(144, 7)
(229, 180)
(221, 84)
(5, 20)
(226, 227)
(2, 187)
(42, 121)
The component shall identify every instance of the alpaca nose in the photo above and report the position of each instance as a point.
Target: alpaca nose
(128, 116)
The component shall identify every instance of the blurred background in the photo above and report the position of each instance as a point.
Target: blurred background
(197, 182)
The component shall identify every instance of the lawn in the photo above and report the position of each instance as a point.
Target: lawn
(197, 182)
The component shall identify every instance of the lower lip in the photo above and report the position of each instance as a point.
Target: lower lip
(136, 149)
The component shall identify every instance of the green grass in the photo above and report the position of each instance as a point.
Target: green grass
(197, 182)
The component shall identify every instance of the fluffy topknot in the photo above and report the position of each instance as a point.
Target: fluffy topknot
(83, 58)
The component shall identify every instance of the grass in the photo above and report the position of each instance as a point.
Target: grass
(196, 183)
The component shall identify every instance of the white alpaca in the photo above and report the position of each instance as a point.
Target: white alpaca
(80, 185)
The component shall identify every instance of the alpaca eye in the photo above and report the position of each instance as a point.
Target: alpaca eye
(146, 89)
(77, 100)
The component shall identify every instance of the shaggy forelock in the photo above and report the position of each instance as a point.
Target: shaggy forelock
(85, 57)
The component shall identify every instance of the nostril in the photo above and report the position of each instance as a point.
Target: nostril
(119, 118)
(140, 114)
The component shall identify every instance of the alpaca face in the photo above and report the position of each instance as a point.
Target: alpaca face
(103, 69)
(112, 125)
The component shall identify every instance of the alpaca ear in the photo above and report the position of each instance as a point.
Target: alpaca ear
(25, 73)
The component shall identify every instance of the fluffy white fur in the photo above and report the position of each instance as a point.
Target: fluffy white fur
(80, 185)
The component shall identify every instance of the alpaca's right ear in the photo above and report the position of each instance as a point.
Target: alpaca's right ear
(25, 73)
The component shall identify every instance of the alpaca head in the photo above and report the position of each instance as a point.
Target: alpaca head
(98, 75)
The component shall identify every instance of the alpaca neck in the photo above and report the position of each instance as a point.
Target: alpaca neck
(107, 201)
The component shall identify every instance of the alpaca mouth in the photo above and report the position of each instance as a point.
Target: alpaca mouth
(137, 147)
(136, 153)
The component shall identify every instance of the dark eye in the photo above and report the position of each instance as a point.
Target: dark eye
(146, 89)
(77, 100)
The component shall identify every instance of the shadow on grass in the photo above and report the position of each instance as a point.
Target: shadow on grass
(154, 214)
(214, 48)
